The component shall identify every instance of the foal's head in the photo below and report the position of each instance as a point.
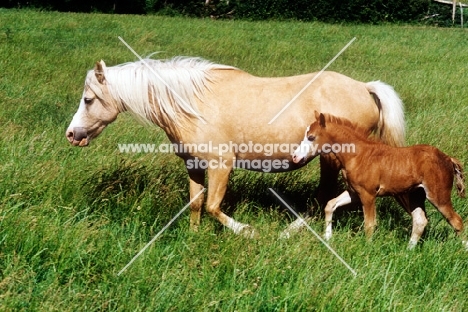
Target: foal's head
(312, 143)
(329, 134)
(97, 109)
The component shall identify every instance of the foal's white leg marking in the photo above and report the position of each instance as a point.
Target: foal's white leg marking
(342, 199)
(419, 223)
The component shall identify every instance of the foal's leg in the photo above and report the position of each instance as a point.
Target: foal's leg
(368, 206)
(442, 201)
(327, 189)
(217, 183)
(419, 224)
(418, 214)
(343, 199)
(197, 181)
(413, 203)
(328, 186)
(440, 197)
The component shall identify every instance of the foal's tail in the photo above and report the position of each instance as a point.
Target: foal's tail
(392, 120)
(459, 176)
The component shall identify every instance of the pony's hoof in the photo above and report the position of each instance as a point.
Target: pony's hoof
(411, 245)
(294, 227)
(194, 228)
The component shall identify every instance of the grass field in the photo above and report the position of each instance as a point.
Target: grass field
(71, 218)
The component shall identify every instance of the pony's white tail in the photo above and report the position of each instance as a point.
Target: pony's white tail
(392, 120)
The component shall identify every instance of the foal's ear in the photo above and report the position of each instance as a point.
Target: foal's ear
(99, 71)
(321, 120)
(317, 115)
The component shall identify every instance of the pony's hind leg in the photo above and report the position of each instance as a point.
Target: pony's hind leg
(343, 199)
(197, 181)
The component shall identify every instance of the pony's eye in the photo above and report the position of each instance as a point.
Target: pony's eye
(88, 100)
(311, 138)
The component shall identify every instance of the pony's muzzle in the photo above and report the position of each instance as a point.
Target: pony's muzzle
(78, 136)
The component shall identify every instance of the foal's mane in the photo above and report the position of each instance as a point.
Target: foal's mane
(359, 131)
(161, 90)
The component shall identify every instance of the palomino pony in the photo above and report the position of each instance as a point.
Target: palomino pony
(200, 103)
(372, 169)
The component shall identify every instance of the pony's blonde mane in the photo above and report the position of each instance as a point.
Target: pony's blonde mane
(161, 90)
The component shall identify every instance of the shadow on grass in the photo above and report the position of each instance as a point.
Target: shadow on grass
(246, 186)
(119, 190)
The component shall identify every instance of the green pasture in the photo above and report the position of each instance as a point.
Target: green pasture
(72, 218)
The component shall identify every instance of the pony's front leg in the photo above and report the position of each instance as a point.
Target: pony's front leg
(343, 199)
(218, 177)
(197, 182)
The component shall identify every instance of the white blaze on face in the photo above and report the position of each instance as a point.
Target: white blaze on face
(76, 133)
(304, 148)
(77, 118)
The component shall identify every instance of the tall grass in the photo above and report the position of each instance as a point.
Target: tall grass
(71, 218)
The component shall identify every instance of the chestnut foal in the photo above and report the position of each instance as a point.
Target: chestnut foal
(373, 169)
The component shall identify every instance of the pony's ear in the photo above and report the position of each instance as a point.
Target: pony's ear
(99, 71)
(321, 120)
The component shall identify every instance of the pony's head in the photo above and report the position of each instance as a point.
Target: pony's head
(311, 145)
(97, 108)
